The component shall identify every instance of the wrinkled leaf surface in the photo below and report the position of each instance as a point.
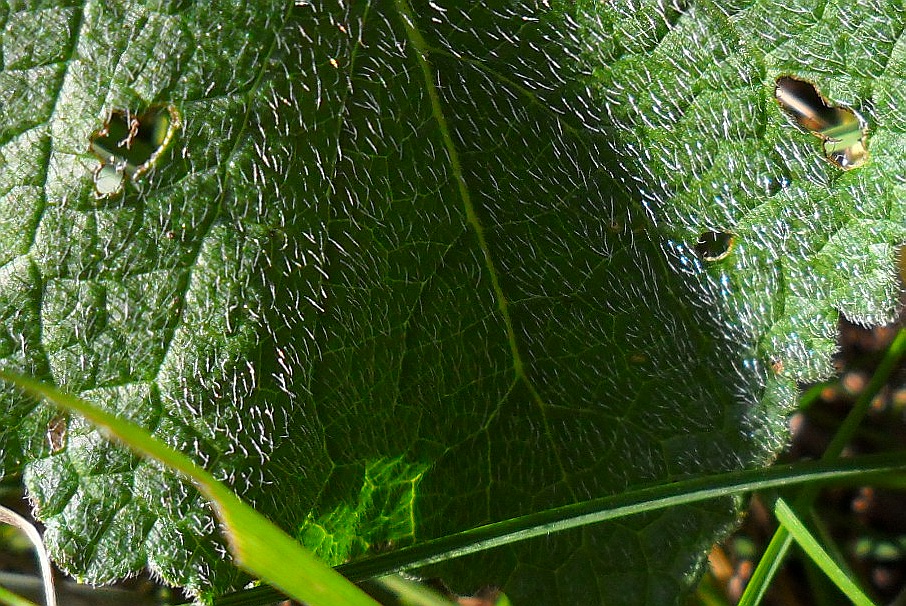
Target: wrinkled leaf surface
(409, 267)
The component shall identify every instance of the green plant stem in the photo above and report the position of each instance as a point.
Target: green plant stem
(661, 496)
(780, 542)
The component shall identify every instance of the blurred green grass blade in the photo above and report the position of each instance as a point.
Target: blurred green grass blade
(780, 542)
(886, 367)
(412, 593)
(822, 591)
(8, 598)
(8, 516)
(826, 539)
(709, 593)
(258, 546)
(767, 567)
(813, 394)
(818, 554)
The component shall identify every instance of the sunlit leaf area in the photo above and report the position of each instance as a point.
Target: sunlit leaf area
(390, 271)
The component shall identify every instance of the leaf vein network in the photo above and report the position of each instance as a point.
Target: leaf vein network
(205, 229)
(74, 43)
(422, 51)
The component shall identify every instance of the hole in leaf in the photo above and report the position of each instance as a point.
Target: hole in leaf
(843, 131)
(773, 185)
(129, 144)
(714, 245)
(108, 180)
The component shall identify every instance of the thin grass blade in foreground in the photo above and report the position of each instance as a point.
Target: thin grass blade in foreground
(857, 470)
(780, 543)
(654, 498)
(258, 546)
(8, 516)
(818, 555)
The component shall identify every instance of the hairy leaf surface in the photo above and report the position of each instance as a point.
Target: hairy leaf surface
(408, 267)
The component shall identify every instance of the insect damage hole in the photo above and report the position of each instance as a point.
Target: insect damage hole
(844, 132)
(129, 145)
(714, 245)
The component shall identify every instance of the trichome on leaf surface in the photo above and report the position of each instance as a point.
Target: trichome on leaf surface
(409, 267)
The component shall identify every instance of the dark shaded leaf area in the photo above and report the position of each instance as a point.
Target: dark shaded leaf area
(406, 268)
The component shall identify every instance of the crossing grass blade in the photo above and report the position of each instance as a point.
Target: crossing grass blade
(818, 554)
(8, 598)
(780, 543)
(8, 516)
(259, 547)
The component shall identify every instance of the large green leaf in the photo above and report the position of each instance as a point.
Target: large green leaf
(403, 268)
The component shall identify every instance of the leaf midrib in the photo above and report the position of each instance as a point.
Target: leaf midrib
(422, 50)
